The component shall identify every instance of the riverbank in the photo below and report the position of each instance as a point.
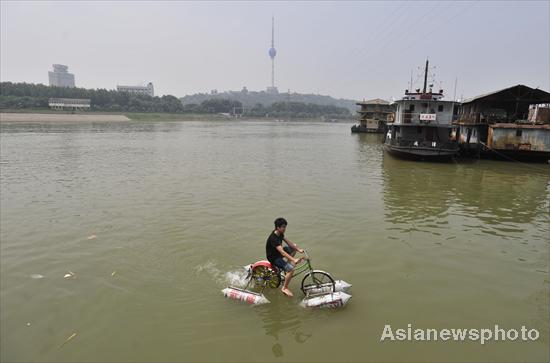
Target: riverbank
(57, 117)
(46, 115)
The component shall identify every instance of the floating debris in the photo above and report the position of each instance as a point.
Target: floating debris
(28, 324)
(93, 236)
(67, 340)
(37, 276)
(113, 273)
(69, 274)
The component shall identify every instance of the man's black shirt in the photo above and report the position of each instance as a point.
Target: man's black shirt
(271, 246)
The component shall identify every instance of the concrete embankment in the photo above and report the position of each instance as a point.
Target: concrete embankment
(54, 117)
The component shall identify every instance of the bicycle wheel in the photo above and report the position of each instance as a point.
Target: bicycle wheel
(264, 276)
(317, 281)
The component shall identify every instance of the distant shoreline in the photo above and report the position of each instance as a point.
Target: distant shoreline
(49, 116)
(59, 117)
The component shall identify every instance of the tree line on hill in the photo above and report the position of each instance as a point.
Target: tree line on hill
(35, 96)
(249, 99)
(277, 109)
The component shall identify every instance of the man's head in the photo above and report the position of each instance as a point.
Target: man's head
(280, 225)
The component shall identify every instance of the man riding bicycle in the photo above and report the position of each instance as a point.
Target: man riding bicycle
(276, 253)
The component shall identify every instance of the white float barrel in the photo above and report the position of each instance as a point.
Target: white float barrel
(247, 296)
(339, 285)
(330, 300)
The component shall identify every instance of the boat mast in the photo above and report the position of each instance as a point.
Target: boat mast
(425, 77)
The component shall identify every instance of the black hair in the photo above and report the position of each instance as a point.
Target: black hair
(279, 222)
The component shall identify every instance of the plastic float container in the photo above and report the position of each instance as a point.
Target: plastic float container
(326, 301)
(248, 297)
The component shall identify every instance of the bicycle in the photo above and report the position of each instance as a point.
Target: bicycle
(263, 274)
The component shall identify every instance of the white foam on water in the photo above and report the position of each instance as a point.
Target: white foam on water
(237, 278)
(37, 276)
(211, 269)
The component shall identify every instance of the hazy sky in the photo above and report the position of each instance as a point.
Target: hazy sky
(345, 49)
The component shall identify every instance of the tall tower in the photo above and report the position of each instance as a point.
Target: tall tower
(272, 53)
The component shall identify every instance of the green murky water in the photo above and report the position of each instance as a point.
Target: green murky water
(178, 208)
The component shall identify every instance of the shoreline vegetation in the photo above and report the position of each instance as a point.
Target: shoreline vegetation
(30, 98)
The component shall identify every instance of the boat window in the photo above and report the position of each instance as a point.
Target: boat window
(411, 108)
(440, 108)
(519, 132)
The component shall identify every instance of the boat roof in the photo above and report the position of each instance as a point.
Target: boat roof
(374, 101)
(424, 100)
(538, 93)
(375, 111)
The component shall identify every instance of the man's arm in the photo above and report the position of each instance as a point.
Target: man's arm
(285, 254)
(293, 245)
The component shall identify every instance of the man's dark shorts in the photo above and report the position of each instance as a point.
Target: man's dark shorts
(281, 262)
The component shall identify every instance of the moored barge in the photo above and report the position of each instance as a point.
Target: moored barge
(423, 129)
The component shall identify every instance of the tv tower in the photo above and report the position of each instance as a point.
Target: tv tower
(272, 53)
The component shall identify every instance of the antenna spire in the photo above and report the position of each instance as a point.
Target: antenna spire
(425, 77)
(272, 53)
(272, 32)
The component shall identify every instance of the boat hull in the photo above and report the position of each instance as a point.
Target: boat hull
(517, 155)
(364, 130)
(420, 153)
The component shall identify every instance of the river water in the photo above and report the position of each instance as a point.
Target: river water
(154, 219)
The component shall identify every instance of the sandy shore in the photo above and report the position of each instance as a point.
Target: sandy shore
(59, 117)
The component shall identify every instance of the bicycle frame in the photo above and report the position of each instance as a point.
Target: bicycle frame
(301, 268)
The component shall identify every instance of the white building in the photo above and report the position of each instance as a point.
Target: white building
(69, 103)
(138, 90)
(60, 77)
